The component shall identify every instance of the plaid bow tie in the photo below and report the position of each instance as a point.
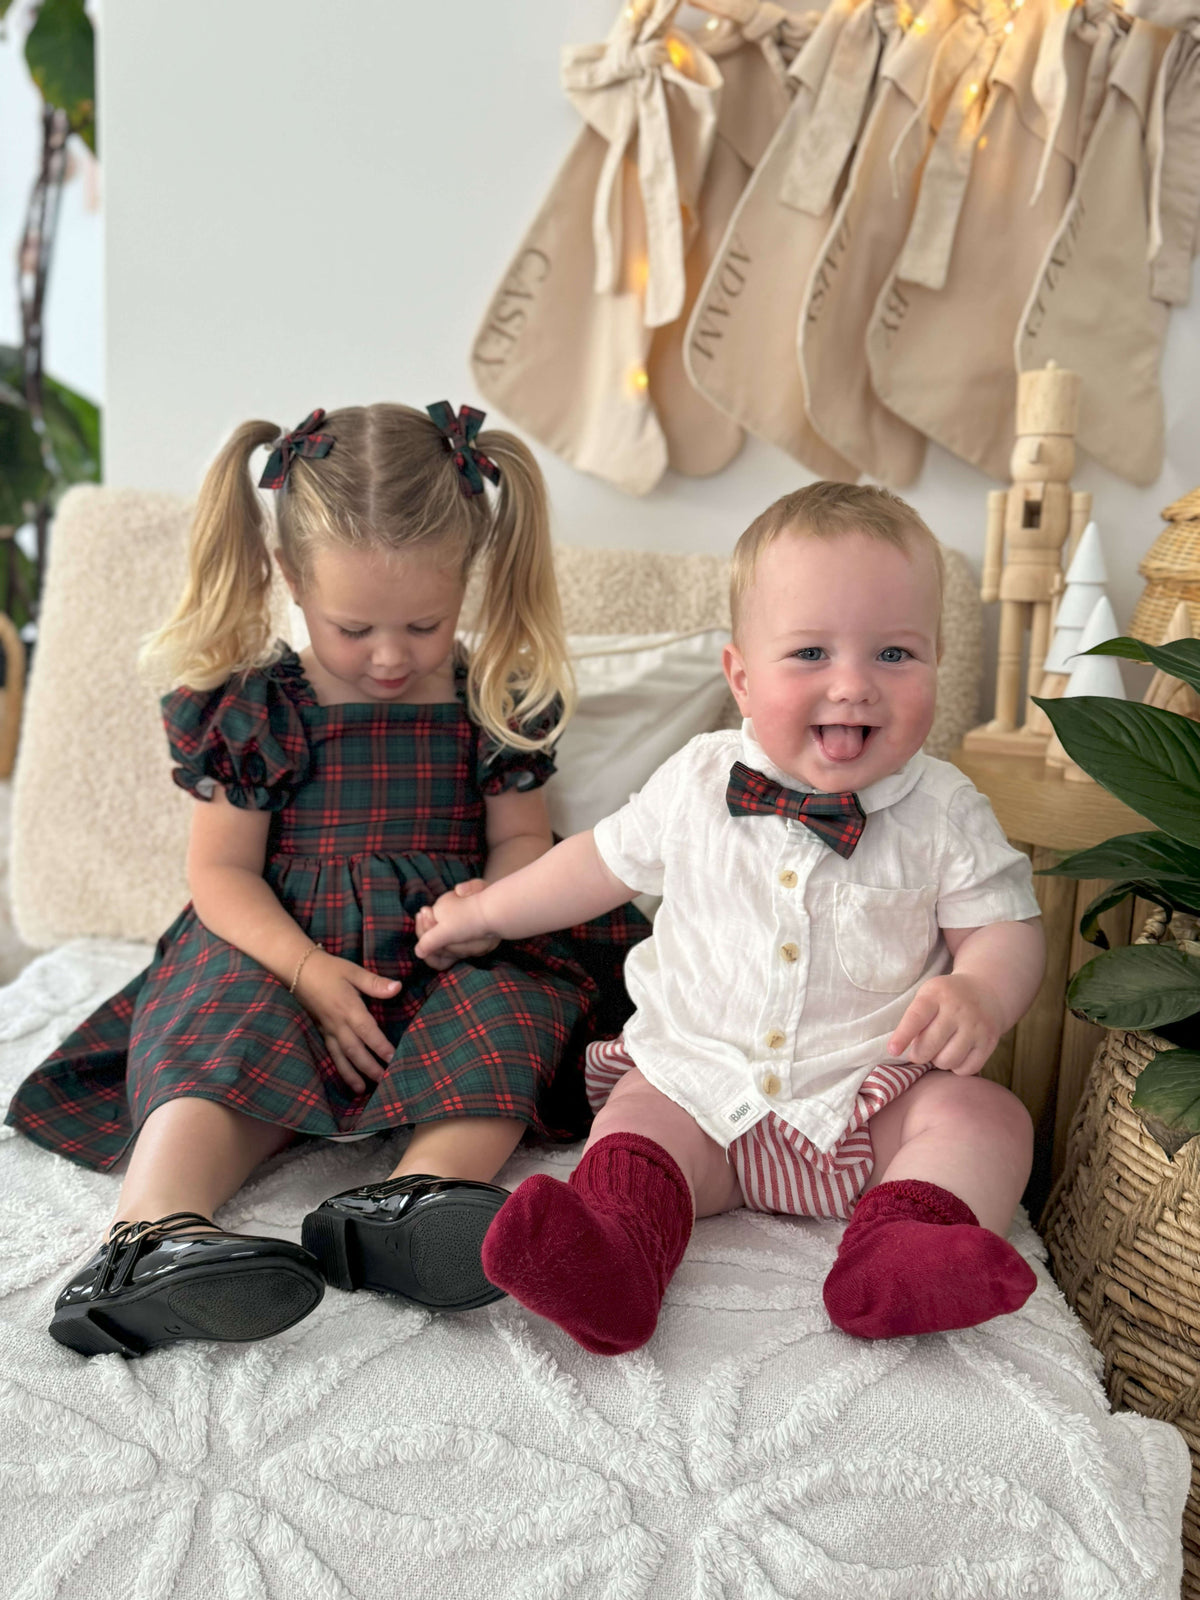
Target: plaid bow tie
(836, 818)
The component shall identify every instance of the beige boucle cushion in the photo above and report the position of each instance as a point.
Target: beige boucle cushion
(100, 830)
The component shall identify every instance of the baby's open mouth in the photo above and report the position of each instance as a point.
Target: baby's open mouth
(843, 741)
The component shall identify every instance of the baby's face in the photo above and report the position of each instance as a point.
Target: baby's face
(836, 661)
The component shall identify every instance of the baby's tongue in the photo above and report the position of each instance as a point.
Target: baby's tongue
(840, 741)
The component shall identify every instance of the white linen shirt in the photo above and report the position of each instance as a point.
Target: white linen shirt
(778, 969)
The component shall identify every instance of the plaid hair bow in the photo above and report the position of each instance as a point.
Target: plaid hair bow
(836, 818)
(460, 433)
(302, 441)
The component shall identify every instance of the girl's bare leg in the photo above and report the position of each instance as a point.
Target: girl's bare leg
(193, 1155)
(461, 1147)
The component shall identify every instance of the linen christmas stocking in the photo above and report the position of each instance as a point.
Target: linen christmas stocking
(914, 1259)
(1093, 308)
(940, 345)
(917, 78)
(563, 346)
(738, 346)
(595, 1254)
(752, 43)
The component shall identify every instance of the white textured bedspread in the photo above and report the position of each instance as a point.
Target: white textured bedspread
(750, 1452)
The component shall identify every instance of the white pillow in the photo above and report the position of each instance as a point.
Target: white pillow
(640, 700)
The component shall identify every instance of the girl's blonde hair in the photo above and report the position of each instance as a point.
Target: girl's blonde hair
(389, 484)
(826, 510)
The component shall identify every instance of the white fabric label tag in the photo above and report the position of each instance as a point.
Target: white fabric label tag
(741, 1112)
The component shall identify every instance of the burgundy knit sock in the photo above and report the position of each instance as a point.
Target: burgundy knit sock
(595, 1254)
(916, 1260)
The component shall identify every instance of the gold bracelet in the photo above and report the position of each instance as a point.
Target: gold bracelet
(300, 965)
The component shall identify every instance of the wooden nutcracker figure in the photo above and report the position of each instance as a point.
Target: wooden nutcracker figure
(1028, 526)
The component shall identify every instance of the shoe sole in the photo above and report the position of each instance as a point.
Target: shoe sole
(430, 1257)
(229, 1301)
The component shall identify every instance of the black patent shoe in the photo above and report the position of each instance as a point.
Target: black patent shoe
(152, 1282)
(416, 1236)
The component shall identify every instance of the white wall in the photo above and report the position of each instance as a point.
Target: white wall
(73, 310)
(310, 205)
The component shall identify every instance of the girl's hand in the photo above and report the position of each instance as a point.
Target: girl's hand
(954, 1023)
(449, 930)
(329, 990)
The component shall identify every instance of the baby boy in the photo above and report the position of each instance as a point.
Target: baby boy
(844, 935)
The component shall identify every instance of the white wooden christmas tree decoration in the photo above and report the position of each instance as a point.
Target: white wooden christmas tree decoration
(1085, 581)
(1099, 675)
(1077, 598)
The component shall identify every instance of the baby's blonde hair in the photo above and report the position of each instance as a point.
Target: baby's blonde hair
(389, 484)
(829, 510)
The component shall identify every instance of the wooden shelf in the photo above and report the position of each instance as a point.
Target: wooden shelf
(1045, 1059)
(1046, 809)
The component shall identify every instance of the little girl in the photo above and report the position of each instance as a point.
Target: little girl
(341, 790)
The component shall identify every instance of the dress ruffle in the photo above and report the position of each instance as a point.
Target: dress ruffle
(246, 735)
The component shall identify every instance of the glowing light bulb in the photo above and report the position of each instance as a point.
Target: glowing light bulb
(920, 25)
(639, 380)
(1008, 27)
(678, 52)
(712, 24)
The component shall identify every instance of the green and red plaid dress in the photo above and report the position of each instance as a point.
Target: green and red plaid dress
(375, 811)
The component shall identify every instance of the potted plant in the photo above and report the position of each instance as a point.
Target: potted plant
(1122, 1224)
(1150, 759)
(49, 435)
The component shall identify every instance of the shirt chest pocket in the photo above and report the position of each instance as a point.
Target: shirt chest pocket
(884, 936)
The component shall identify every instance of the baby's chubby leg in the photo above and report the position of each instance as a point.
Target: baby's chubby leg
(925, 1249)
(595, 1254)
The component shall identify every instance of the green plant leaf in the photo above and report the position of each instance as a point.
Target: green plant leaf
(1130, 854)
(72, 423)
(61, 53)
(1180, 658)
(1137, 986)
(1147, 757)
(1164, 892)
(1167, 1098)
(23, 476)
(12, 601)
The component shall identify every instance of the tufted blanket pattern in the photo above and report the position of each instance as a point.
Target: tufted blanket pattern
(375, 1452)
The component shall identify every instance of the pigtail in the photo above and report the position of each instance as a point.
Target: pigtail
(520, 667)
(222, 622)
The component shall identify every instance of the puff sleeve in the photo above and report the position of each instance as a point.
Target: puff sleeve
(246, 735)
(500, 767)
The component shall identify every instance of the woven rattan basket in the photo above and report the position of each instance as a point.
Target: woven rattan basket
(1171, 569)
(1123, 1229)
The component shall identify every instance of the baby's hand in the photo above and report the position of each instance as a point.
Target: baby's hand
(452, 928)
(953, 1023)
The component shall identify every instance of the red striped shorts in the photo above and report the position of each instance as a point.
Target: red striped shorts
(777, 1168)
